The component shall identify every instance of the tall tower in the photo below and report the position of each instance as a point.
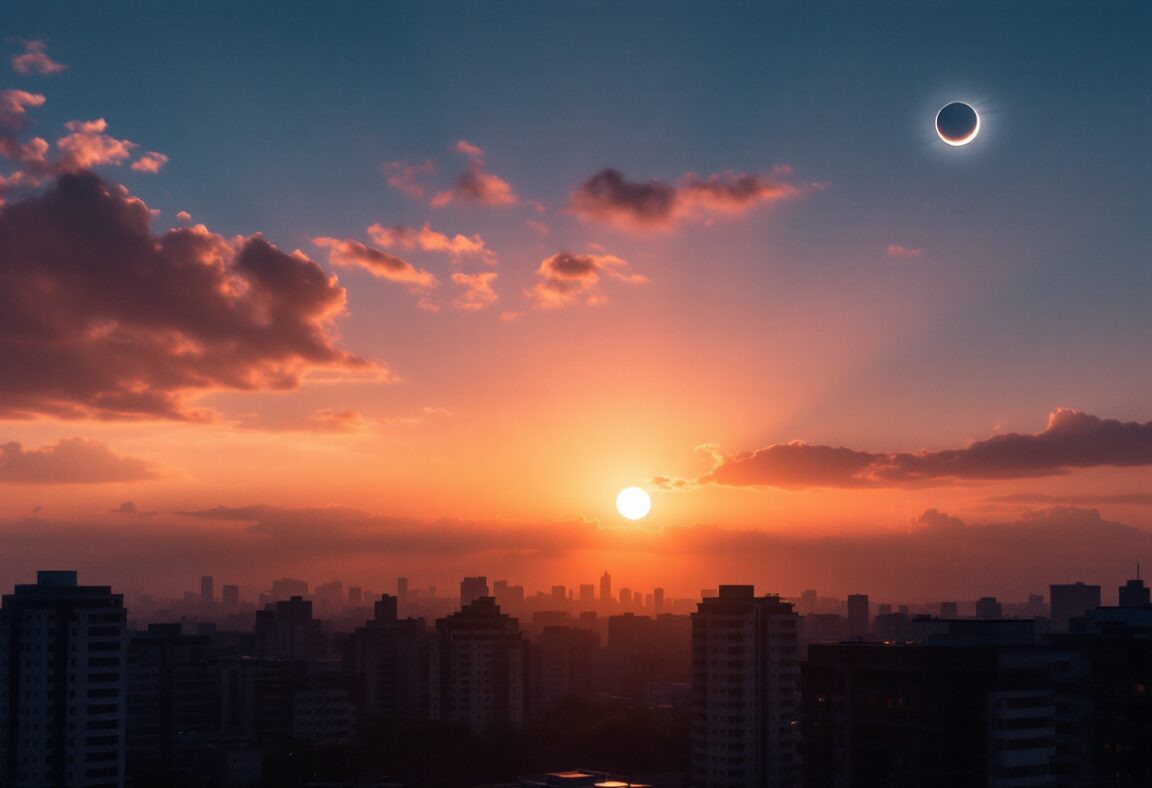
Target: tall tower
(605, 588)
(859, 620)
(207, 589)
(472, 588)
(62, 655)
(745, 691)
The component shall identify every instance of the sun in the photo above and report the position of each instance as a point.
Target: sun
(633, 503)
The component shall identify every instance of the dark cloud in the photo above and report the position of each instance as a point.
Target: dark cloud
(1072, 439)
(608, 196)
(1120, 499)
(70, 461)
(99, 317)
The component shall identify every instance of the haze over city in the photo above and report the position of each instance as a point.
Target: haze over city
(382, 291)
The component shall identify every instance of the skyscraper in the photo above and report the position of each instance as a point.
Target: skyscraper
(859, 621)
(658, 601)
(605, 588)
(207, 589)
(62, 651)
(402, 590)
(230, 597)
(745, 691)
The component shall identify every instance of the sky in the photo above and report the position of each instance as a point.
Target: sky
(362, 290)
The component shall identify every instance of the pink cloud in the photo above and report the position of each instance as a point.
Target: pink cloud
(428, 240)
(102, 318)
(896, 250)
(568, 279)
(353, 254)
(13, 107)
(609, 197)
(70, 461)
(411, 179)
(35, 60)
(150, 162)
(89, 146)
(476, 184)
(184, 217)
(477, 292)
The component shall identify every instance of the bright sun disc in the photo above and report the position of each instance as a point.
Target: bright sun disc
(633, 503)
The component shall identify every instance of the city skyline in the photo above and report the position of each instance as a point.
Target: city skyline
(381, 291)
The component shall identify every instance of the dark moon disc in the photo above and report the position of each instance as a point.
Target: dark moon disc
(957, 123)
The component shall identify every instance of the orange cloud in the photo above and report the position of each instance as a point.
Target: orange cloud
(477, 290)
(103, 318)
(13, 107)
(70, 461)
(89, 146)
(609, 197)
(409, 178)
(353, 254)
(428, 240)
(35, 60)
(150, 162)
(576, 278)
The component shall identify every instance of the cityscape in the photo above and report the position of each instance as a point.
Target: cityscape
(592, 393)
(323, 685)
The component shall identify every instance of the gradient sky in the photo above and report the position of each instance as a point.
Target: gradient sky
(716, 251)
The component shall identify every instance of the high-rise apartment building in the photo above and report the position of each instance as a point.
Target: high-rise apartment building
(480, 668)
(1071, 601)
(207, 589)
(745, 691)
(62, 655)
(859, 619)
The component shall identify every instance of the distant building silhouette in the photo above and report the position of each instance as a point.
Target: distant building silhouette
(745, 693)
(62, 684)
(859, 620)
(230, 597)
(657, 601)
(1135, 594)
(472, 588)
(402, 590)
(1071, 601)
(988, 607)
(605, 588)
(286, 588)
(207, 590)
(286, 630)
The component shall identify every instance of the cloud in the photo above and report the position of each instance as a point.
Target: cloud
(1072, 439)
(70, 461)
(184, 217)
(14, 108)
(89, 145)
(150, 162)
(568, 279)
(476, 184)
(934, 518)
(353, 254)
(609, 197)
(99, 317)
(35, 60)
(1115, 499)
(477, 290)
(896, 250)
(428, 240)
(409, 178)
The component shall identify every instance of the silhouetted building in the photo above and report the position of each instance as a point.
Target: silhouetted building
(625, 598)
(402, 589)
(1071, 601)
(657, 601)
(859, 618)
(174, 705)
(605, 588)
(480, 668)
(207, 589)
(745, 691)
(472, 588)
(62, 716)
(949, 610)
(230, 597)
(918, 715)
(286, 630)
(563, 667)
(587, 596)
(1134, 594)
(286, 588)
(988, 607)
(389, 661)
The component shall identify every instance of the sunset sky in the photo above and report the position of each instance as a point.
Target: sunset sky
(360, 290)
